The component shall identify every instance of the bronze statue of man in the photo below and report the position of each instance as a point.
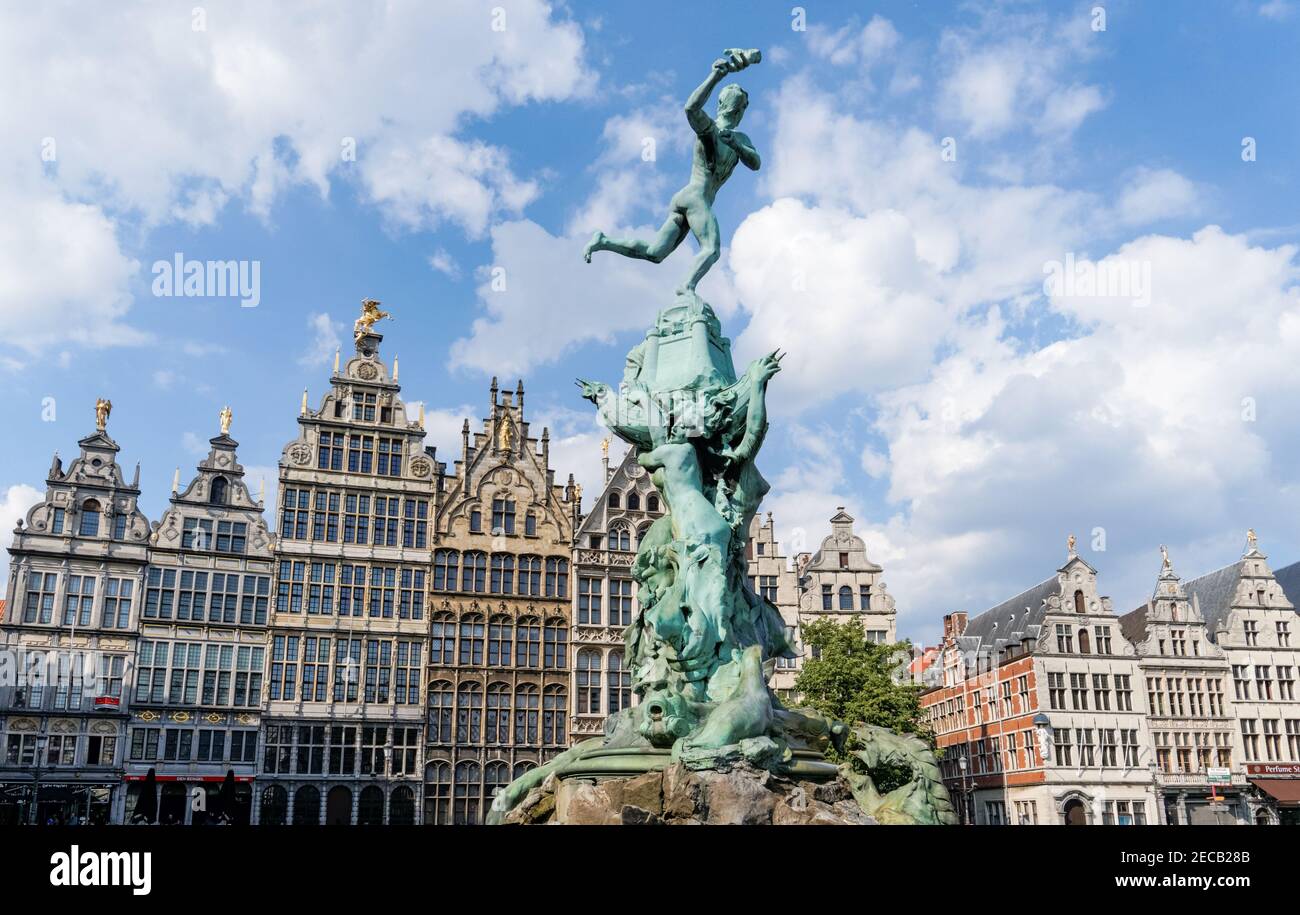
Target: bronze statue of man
(718, 147)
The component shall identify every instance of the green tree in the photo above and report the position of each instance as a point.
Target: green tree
(853, 680)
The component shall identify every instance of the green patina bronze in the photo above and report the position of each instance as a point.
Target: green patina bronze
(704, 644)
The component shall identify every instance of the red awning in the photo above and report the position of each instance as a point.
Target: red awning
(1285, 790)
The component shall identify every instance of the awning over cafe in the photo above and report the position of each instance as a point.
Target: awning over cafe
(1284, 790)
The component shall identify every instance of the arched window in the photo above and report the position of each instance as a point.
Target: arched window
(846, 598)
(495, 777)
(652, 502)
(445, 566)
(219, 491)
(530, 576)
(641, 532)
(500, 637)
(468, 789)
(437, 794)
(474, 575)
(275, 806)
(588, 682)
(620, 538)
(526, 715)
(523, 768)
(633, 502)
(306, 806)
(613, 500)
(89, 518)
(471, 639)
(557, 578)
(620, 684)
(440, 712)
(1084, 647)
(1078, 602)
(338, 807)
(442, 650)
(469, 713)
(556, 644)
(370, 807)
(528, 642)
(498, 713)
(401, 807)
(555, 706)
(503, 573)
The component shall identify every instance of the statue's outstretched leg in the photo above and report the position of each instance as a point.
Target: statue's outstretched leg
(670, 235)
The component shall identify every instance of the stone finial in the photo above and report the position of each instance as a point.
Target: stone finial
(304, 401)
(176, 481)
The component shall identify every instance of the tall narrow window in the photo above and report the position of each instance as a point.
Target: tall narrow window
(219, 491)
(89, 518)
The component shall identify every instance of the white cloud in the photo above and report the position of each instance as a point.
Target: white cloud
(264, 97)
(1155, 194)
(1013, 69)
(1277, 10)
(1141, 426)
(852, 43)
(63, 276)
(444, 263)
(18, 499)
(164, 378)
(325, 341)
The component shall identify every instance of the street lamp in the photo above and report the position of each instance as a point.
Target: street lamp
(965, 789)
(41, 742)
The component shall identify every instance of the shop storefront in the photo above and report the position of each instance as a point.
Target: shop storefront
(57, 803)
(176, 801)
(1277, 787)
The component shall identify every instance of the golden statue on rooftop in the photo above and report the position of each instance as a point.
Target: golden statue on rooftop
(102, 409)
(370, 315)
(225, 416)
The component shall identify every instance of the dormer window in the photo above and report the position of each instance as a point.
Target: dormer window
(613, 500)
(56, 525)
(1078, 602)
(652, 503)
(633, 502)
(219, 492)
(89, 518)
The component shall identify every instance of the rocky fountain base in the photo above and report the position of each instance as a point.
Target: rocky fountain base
(739, 794)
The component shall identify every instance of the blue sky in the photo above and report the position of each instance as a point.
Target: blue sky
(969, 417)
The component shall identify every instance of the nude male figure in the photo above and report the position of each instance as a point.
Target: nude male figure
(718, 147)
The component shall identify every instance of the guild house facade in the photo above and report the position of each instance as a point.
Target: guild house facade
(343, 720)
(1041, 714)
(72, 609)
(196, 696)
(499, 653)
